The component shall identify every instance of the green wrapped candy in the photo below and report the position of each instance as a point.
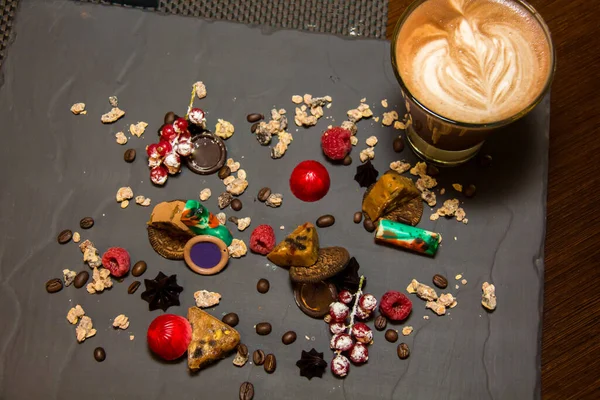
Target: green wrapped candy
(408, 237)
(202, 222)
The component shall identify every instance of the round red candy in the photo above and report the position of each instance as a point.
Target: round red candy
(395, 306)
(169, 336)
(117, 261)
(309, 181)
(335, 143)
(262, 239)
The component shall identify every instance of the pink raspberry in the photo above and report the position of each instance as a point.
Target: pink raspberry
(116, 260)
(367, 302)
(395, 306)
(345, 297)
(337, 327)
(341, 341)
(338, 311)
(262, 239)
(362, 332)
(359, 354)
(340, 366)
(335, 143)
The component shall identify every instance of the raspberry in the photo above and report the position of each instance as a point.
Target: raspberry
(335, 143)
(395, 306)
(337, 327)
(359, 354)
(341, 341)
(362, 333)
(262, 239)
(345, 297)
(367, 302)
(340, 366)
(338, 311)
(116, 260)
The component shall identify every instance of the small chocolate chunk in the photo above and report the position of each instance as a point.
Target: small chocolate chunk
(231, 319)
(258, 357)
(99, 354)
(81, 279)
(391, 335)
(263, 194)
(380, 322)
(86, 223)
(236, 205)
(358, 217)
(254, 117)
(54, 285)
(64, 237)
(263, 286)
(270, 363)
(224, 172)
(325, 221)
(139, 268)
(288, 338)
(398, 144)
(129, 155)
(263, 328)
(133, 287)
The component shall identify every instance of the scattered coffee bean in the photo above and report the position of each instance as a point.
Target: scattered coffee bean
(391, 335)
(254, 117)
(369, 225)
(81, 279)
(65, 236)
(440, 281)
(270, 363)
(242, 350)
(347, 160)
(54, 285)
(403, 351)
(325, 221)
(263, 286)
(231, 319)
(432, 170)
(133, 287)
(170, 117)
(398, 144)
(258, 357)
(139, 268)
(129, 155)
(86, 223)
(358, 217)
(288, 338)
(254, 127)
(470, 191)
(99, 354)
(263, 194)
(246, 391)
(224, 172)
(233, 219)
(485, 160)
(380, 322)
(263, 328)
(236, 205)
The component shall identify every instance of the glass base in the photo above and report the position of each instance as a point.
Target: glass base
(432, 154)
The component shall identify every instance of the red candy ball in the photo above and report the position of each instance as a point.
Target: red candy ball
(117, 261)
(169, 336)
(309, 181)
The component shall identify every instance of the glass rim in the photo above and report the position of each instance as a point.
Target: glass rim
(487, 125)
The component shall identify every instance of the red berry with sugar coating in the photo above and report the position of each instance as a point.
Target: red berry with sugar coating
(173, 163)
(341, 341)
(335, 143)
(262, 239)
(117, 261)
(152, 150)
(180, 125)
(163, 148)
(159, 175)
(340, 366)
(362, 333)
(167, 133)
(196, 117)
(337, 327)
(338, 311)
(362, 314)
(345, 297)
(395, 306)
(359, 354)
(368, 302)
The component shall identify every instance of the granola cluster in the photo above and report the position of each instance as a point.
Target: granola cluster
(438, 304)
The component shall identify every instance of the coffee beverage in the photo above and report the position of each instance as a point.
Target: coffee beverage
(474, 61)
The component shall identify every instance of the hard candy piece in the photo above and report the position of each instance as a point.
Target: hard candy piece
(391, 191)
(169, 336)
(309, 181)
(408, 237)
(203, 222)
(300, 248)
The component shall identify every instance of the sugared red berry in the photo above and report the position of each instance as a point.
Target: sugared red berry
(158, 175)
(180, 125)
(152, 150)
(168, 133)
(163, 148)
(395, 305)
(337, 327)
(367, 302)
(262, 239)
(184, 148)
(362, 314)
(184, 136)
(338, 311)
(341, 341)
(340, 366)
(173, 163)
(345, 297)
(117, 261)
(359, 354)
(196, 117)
(335, 143)
(154, 161)
(362, 333)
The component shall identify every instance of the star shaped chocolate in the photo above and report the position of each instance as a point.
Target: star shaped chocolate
(311, 364)
(348, 279)
(162, 292)
(366, 174)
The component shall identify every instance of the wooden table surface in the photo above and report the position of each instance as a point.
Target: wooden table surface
(571, 328)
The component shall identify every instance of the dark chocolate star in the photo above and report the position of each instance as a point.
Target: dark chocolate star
(348, 279)
(311, 364)
(162, 292)
(366, 174)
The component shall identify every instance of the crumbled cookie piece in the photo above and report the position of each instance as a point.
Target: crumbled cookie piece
(124, 203)
(233, 165)
(85, 329)
(436, 307)
(371, 141)
(488, 298)
(121, 322)
(224, 200)
(100, 281)
(458, 187)
(297, 99)
(224, 129)
(69, 276)
(205, 299)
(76, 237)
(399, 125)
(200, 89)
(243, 223)
(450, 209)
(367, 154)
(389, 118)
(274, 200)
(442, 191)
(460, 214)
(237, 186)
(426, 182)
(353, 140)
(143, 201)
(365, 110)
(138, 129)
(228, 180)
(242, 174)
(78, 108)
(447, 300)
(205, 194)
(222, 218)
(384, 103)
(112, 116)
(351, 126)
(280, 148)
(317, 112)
(113, 101)
(458, 277)
(237, 248)
(420, 169)
(399, 166)
(430, 198)
(407, 330)
(423, 291)
(303, 119)
(121, 138)
(90, 254)
(354, 115)
(131, 337)
(314, 102)
(124, 193)
(464, 281)
(74, 314)
(307, 98)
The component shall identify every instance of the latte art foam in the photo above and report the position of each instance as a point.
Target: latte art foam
(473, 61)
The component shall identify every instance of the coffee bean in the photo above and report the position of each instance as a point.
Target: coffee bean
(54, 285)
(325, 221)
(485, 160)
(270, 364)
(403, 351)
(398, 144)
(224, 172)
(358, 217)
(288, 338)
(246, 391)
(242, 350)
(347, 160)
(64, 237)
(139, 268)
(254, 127)
(368, 225)
(129, 155)
(236, 205)
(440, 281)
(432, 170)
(470, 191)
(258, 357)
(133, 287)
(231, 319)
(86, 223)
(263, 194)
(170, 117)
(380, 322)
(81, 279)
(254, 117)
(99, 354)
(391, 335)
(263, 286)
(263, 328)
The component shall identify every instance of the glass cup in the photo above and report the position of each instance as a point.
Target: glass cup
(441, 140)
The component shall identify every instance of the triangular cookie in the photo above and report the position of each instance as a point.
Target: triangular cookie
(300, 248)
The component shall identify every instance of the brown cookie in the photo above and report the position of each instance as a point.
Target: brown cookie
(409, 213)
(330, 262)
(166, 244)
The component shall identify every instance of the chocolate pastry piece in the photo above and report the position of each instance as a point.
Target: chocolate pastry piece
(391, 191)
(167, 234)
(211, 339)
(300, 248)
(366, 174)
(409, 213)
(162, 292)
(348, 279)
(331, 261)
(311, 364)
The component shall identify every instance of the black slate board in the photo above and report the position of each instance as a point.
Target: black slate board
(58, 168)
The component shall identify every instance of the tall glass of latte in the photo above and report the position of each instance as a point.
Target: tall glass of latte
(467, 67)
